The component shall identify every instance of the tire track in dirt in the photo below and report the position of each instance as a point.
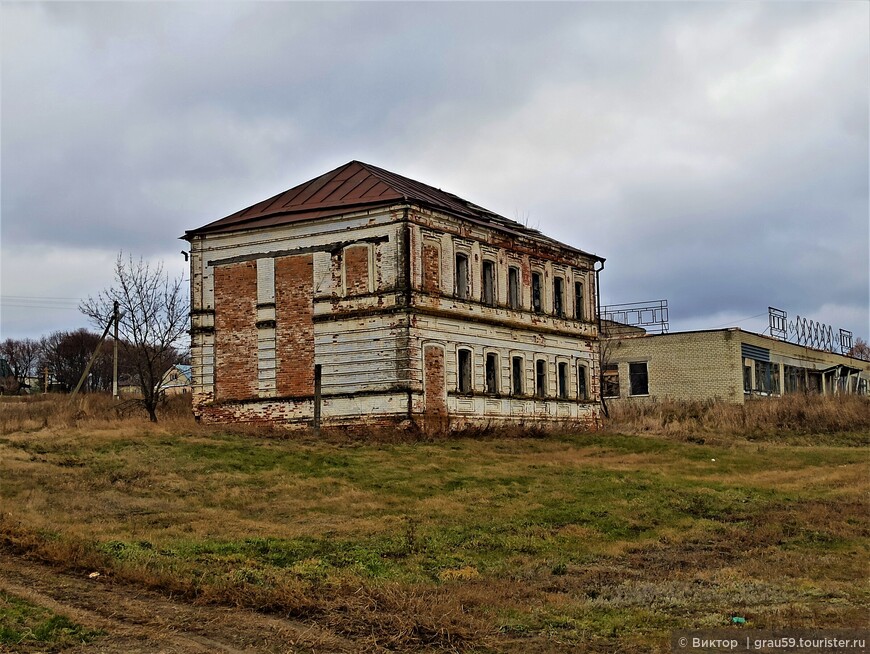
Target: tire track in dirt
(137, 621)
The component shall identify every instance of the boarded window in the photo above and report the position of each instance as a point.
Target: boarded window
(462, 276)
(431, 268)
(559, 296)
(582, 392)
(356, 269)
(638, 378)
(578, 301)
(488, 283)
(562, 374)
(514, 287)
(537, 304)
(492, 373)
(517, 375)
(541, 378)
(464, 371)
(610, 381)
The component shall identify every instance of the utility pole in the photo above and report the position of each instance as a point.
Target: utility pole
(115, 361)
(45, 386)
(91, 362)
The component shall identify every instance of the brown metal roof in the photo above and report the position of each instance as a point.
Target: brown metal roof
(355, 185)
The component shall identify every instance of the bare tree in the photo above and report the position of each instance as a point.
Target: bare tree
(21, 356)
(154, 317)
(860, 350)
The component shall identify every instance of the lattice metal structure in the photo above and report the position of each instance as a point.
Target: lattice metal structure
(778, 320)
(810, 333)
(651, 315)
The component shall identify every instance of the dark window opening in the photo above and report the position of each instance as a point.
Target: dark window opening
(514, 288)
(462, 276)
(492, 373)
(766, 377)
(610, 381)
(541, 378)
(747, 379)
(582, 393)
(562, 374)
(559, 296)
(537, 305)
(795, 379)
(638, 378)
(517, 375)
(578, 300)
(489, 283)
(464, 371)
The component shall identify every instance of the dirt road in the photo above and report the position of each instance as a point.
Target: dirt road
(142, 622)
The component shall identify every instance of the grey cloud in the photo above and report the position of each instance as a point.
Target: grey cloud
(715, 153)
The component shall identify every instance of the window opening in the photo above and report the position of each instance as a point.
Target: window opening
(464, 372)
(562, 374)
(537, 304)
(582, 393)
(517, 374)
(492, 373)
(610, 380)
(578, 300)
(488, 283)
(514, 288)
(638, 378)
(559, 296)
(541, 378)
(462, 276)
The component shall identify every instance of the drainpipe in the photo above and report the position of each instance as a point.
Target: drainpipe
(598, 304)
(598, 292)
(406, 229)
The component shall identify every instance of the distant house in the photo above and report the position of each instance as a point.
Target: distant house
(362, 296)
(722, 364)
(177, 380)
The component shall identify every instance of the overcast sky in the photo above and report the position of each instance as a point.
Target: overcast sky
(715, 154)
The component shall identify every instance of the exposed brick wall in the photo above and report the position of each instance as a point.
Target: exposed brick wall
(435, 376)
(294, 277)
(235, 298)
(356, 269)
(431, 268)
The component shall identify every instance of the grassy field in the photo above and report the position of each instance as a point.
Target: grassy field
(606, 540)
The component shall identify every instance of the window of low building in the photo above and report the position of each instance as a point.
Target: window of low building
(514, 287)
(747, 379)
(559, 296)
(795, 379)
(537, 300)
(638, 378)
(578, 300)
(463, 371)
(582, 392)
(541, 378)
(610, 380)
(766, 377)
(517, 375)
(492, 373)
(488, 269)
(462, 276)
(562, 379)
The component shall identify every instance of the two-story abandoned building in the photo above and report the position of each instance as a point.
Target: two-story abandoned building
(364, 297)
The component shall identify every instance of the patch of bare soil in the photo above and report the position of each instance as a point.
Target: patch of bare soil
(139, 622)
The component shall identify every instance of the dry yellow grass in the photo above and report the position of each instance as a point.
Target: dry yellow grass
(603, 540)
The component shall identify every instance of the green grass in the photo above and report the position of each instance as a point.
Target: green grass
(24, 625)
